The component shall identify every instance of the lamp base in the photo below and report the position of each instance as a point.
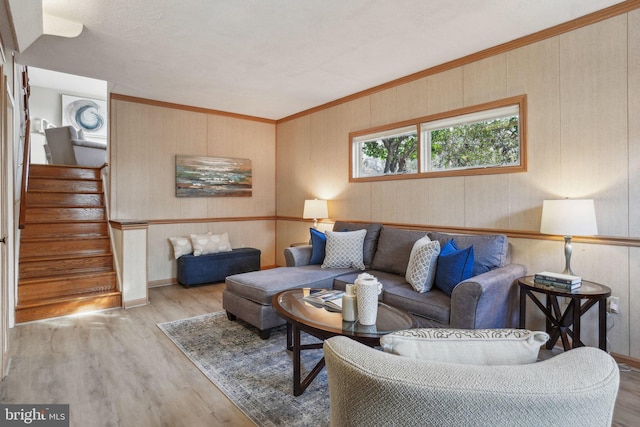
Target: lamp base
(567, 256)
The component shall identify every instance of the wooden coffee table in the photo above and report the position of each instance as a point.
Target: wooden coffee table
(302, 316)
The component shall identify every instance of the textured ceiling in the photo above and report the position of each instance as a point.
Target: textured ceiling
(275, 58)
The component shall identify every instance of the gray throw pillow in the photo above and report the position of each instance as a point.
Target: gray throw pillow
(489, 251)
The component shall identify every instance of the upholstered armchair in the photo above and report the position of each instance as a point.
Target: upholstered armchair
(66, 147)
(369, 387)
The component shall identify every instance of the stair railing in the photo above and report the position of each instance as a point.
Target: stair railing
(26, 155)
(104, 175)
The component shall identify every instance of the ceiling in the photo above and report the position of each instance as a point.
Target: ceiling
(275, 58)
(68, 83)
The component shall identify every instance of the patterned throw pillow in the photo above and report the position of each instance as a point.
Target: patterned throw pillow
(344, 249)
(181, 246)
(421, 271)
(467, 346)
(210, 243)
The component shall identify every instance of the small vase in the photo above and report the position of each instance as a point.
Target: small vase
(367, 290)
(349, 308)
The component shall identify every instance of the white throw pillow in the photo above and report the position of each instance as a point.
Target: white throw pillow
(467, 346)
(210, 243)
(344, 249)
(421, 271)
(181, 246)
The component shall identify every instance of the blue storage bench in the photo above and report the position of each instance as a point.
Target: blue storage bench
(212, 268)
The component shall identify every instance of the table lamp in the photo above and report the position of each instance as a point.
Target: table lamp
(315, 209)
(568, 217)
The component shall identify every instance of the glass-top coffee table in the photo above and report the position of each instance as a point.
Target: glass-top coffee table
(302, 316)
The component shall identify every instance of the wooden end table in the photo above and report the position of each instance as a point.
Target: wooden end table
(302, 316)
(565, 325)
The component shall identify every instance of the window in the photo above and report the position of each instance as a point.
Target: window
(483, 139)
(389, 152)
(487, 138)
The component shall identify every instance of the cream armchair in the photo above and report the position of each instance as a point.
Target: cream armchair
(368, 387)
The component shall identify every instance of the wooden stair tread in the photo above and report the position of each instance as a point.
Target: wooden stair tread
(63, 238)
(27, 297)
(68, 221)
(65, 178)
(42, 166)
(38, 301)
(65, 298)
(61, 257)
(52, 222)
(68, 276)
(67, 206)
(68, 306)
(62, 193)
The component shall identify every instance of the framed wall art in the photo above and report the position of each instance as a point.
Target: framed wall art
(198, 176)
(87, 114)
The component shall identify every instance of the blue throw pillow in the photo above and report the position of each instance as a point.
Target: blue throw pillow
(448, 248)
(318, 243)
(453, 268)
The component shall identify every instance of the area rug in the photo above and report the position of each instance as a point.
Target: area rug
(256, 375)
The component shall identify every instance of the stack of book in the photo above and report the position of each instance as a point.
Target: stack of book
(557, 280)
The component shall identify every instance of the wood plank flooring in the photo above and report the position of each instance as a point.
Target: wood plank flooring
(116, 368)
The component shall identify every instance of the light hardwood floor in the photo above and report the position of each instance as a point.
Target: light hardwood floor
(116, 368)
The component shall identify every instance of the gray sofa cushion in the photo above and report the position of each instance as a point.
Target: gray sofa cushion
(388, 280)
(489, 250)
(434, 305)
(370, 240)
(394, 248)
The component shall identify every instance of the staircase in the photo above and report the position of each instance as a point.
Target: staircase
(66, 264)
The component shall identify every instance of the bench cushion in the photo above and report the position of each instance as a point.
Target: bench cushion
(211, 268)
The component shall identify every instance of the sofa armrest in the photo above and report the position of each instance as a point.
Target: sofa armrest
(488, 300)
(89, 144)
(296, 256)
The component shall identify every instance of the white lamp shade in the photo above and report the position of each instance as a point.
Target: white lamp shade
(315, 209)
(568, 217)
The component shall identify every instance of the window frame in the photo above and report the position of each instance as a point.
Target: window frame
(385, 132)
(358, 136)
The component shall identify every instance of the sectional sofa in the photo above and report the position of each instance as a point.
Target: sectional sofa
(486, 299)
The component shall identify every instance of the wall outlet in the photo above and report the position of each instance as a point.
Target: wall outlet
(612, 304)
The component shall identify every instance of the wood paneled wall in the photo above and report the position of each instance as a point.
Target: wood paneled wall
(583, 90)
(145, 139)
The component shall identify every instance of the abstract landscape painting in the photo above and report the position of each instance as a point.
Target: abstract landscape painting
(198, 176)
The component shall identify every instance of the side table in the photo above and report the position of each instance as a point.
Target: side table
(566, 324)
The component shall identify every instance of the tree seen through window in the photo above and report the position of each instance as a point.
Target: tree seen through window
(488, 143)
